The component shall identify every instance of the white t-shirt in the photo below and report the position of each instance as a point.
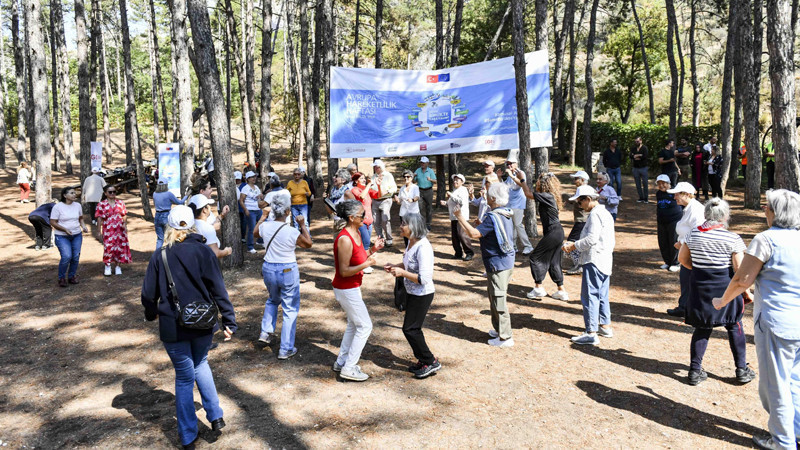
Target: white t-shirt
(693, 217)
(760, 248)
(251, 195)
(208, 232)
(281, 250)
(407, 203)
(459, 198)
(23, 176)
(68, 217)
(93, 188)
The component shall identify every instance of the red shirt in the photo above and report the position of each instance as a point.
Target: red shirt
(359, 257)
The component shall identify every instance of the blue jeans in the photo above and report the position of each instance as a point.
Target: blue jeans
(252, 220)
(366, 235)
(615, 179)
(70, 249)
(191, 366)
(594, 298)
(160, 222)
(299, 210)
(283, 284)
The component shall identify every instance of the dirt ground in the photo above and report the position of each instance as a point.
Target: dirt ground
(80, 368)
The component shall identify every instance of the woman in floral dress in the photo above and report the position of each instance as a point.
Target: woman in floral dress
(111, 217)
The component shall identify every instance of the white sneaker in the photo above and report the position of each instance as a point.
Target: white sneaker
(118, 271)
(664, 266)
(353, 374)
(369, 270)
(252, 250)
(107, 271)
(560, 295)
(537, 293)
(675, 268)
(586, 339)
(605, 332)
(493, 334)
(497, 342)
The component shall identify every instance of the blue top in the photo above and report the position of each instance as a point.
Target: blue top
(778, 284)
(165, 200)
(422, 177)
(516, 197)
(42, 211)
(494, 260)
(668, 210)
(197, 277)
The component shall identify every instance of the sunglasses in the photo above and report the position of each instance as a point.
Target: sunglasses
(111, 192)
(407, 176)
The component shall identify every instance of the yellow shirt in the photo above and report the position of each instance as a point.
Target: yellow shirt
(299, 191)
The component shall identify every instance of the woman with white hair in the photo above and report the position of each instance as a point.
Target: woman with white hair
(772, 261)
(496, 234)
(713, 254)
(693, 216)
(417, 273)
(607, 196)
(280, 272)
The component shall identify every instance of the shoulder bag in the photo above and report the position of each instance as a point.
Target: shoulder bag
(198, 315)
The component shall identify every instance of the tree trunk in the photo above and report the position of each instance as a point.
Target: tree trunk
(208, 77)
(249, 52)
(2, 104)
(233, 37)
(733, 170)
(328, 45)
(587, 109)
(673, 71)
(201, 124)
(452, 158)
(693, 68)
(558, 70)
(645, 63)
(441, 181)
(54, 139)
(40, 126)
(104, 90)
(63, 83)
(183, 91)
(266, 87)
(725, 110)
(355, 38)
(153, 82)
(682, 72)
(541, 155)
(3, 67)
(305, 83)
(749, 98)
(131, 125)
(493, 44)
(573, 50)
(784, 109)
(228, 69)
(84, 100)
(117, 58)
(158, 84)
(379, 31)
(312, 104)
(19, 71)
(95, 31)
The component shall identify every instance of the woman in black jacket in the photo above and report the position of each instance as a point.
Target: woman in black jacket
(197, 277)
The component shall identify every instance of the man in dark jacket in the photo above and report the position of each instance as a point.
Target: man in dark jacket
(640, 159)
(612, 160)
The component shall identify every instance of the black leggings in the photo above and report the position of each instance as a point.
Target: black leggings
(546, 257)
(736, 340)
(416, 309)
(667, 237)
(716, 186)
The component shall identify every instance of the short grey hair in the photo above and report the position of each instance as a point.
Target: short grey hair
(717, 210)
(499, 192)
(352, 166)
(416, 225)
(343, 174)
(281, 203)
(786, 206)
(604, 176)
(347, 208)
(408, 172)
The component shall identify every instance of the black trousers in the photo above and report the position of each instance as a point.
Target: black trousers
(416, 309)
(686, 286)
(716, 185)
(426, 205)
(546, 256)
(462, 243)
(43, 230)
(736, 340)
(575, 232)
(667, 237)
(770, 174)
(91, 209)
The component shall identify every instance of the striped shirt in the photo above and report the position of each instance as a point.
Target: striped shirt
(712, 249)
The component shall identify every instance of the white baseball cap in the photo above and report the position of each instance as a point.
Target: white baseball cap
(664, 177)
(181, 217)
(512, 158)
(424, 159)
(378, 163)
(581, 174)
(683, 186)
(249, 174)
(237, 175)
(95, 169)
(458, 175)
(200, 201)
(583, 191)
(488, 162)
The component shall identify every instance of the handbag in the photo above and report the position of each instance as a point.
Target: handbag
(198, 315)
(400, 294)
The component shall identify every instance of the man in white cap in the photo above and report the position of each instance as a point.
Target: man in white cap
(201, 206)
(597, 256)
(382, 204)
(92, 192)
(425, 178)
(516, 201)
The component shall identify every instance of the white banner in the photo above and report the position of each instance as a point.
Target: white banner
(96, 155)
(169, 166)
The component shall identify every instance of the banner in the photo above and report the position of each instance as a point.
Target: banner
(169, 166)
(96, 152)
(380, 112)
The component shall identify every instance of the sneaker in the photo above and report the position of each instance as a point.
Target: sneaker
(745, 374)
(287, 354)
(468, 257)
(265, 338)
(575, 271)
(94, 222)
(368, 270)
(527, 251)
(252, 250)
(46, 247)
(497, 342)
(664, 266)
(244, 241)
(73, 280)
(586, 339)
(605, 332)
(336, 367)
(118, 270)
(675, 268)
(640, 201)
(388, 243)
(697, 376)
(428, 369)
(353, 374)
(458, 256)
(560, 295)
(677, 312)
(765, 442)
(416, 366)
(62, 282)
(646, 201)
(537, 293)
(493, 334)
(38, 247)
(107, 270)
(620, 198)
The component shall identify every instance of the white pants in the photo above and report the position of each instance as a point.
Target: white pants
(382, 219)
(359, 326)
(519, 231)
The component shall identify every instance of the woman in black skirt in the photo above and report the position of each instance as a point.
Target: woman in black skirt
(713, 254)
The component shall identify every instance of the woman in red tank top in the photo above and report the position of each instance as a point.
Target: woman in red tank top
(350, 260)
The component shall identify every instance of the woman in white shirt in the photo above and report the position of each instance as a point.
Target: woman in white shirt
(459, 200)
(248, 199)
(24, 182)
(280, 272)
(417, 271)
(408, 197)
(66, 218)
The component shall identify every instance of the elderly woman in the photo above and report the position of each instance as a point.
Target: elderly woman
(496, 234)
(300, 191)
(711, 251)
(350, 260)
(66, 218)
(281, 276)
(579, 216)
(249, 197)
(596, 245)
(408, 197)
(194, 280)
(668, 213)
(772, 261)
(693, 216)
(417, 273)
(385, 189)
(607, 196)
